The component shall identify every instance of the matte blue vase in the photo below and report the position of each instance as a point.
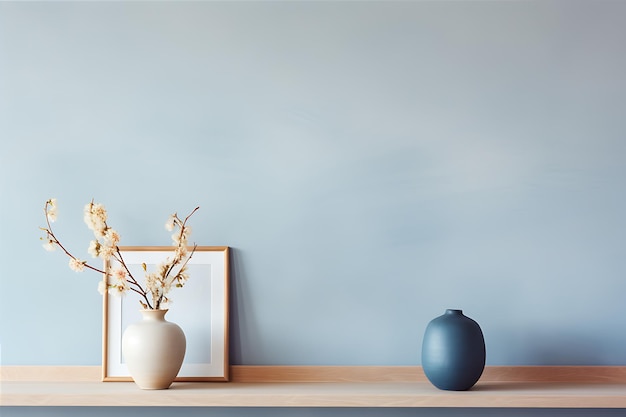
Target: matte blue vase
(453, 351)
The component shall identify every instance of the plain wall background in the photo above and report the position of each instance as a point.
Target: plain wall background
(370, 164)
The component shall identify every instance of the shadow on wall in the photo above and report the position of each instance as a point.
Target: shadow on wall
(235, 299)
(242, 321)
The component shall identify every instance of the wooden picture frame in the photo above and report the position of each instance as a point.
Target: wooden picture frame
(200, 308)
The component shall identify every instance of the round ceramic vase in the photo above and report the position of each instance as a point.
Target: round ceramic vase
(453, 351)
(153, 350)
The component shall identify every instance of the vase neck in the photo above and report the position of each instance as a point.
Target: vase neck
(153, 315)
(454, 312)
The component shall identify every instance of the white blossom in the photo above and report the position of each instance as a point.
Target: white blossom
(49, 245)
(77, 265)
(169, 225)
(95, 218)
(106, 252)
(119, 274)
(151, 281)
(180, 253)
(94, 248)
(119, 288)
(112, 237)
(51, 210)
(180, 238)
(102, 287)
(181, 278)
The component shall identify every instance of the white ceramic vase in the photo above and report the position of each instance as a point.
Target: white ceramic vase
(153, 350)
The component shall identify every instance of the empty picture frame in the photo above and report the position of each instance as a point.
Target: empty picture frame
(200, 308)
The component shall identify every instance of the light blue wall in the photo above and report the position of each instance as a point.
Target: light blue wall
(370, 163)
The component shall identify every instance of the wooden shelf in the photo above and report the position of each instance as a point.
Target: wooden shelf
(508, 387)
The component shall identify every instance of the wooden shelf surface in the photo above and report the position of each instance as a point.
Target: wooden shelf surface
(543, 387)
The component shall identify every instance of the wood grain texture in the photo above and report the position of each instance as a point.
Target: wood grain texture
(584, 374)
(50, 373)
(314, 394)
(327, 374)
(304, 386)
(251, 373)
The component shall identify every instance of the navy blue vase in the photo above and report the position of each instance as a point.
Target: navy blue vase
(453, 351)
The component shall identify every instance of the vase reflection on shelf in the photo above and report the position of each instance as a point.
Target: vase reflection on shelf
(453, 351)
(153, 350)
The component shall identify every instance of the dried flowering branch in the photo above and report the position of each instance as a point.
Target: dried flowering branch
(105, 246)
(160, 283)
